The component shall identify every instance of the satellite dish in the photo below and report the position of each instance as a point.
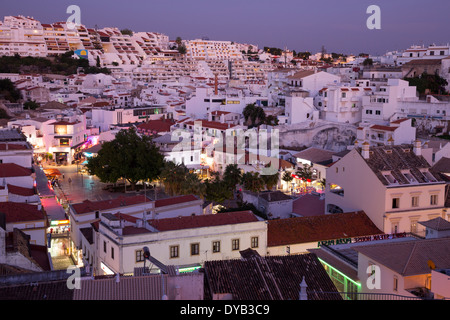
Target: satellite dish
(431, 265)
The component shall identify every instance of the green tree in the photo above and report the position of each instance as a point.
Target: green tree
(254, 115)
(270, 180)
(9, 91)
(287, 177)
(432, 82)
(368, 62)
(127, 32)
(305, 172)
(253, 182)
(217, 190)
(192, 185)
(30, 105)
(232, 176)
(129, 156)
(172, 176)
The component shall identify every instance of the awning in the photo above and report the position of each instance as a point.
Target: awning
(52, 172)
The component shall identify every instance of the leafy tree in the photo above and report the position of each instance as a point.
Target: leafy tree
(126, 32)
(368, 62)
(287, 177)
(129, 156)
(181, 49)
(31, 105)
(432, 82)
(9, 91)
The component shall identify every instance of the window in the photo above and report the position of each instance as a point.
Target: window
(139, 255)
(195, 249)
(433, 199)
(395, 283)
(174, 251)
(415, 201)
(112, 253)
(216, 246)
(104, 246)
(254, 242)
(235, 244)
(395, 203)
(377, 112)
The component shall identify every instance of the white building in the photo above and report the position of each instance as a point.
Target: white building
(185, 242)
(392, 184)
(212, 50)
(397, 132)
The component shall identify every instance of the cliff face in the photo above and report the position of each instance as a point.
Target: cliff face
(326, 135)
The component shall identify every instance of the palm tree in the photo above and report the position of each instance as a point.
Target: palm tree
(192, 184)
(305, 173)
(232, 176)
(172, 176)
(252, 181)
(271, 180)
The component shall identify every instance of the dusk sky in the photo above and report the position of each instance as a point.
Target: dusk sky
(300, 25)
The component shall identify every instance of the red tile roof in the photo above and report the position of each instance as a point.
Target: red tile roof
(12, 146)
(89, 206)
(156, 126)
(309, 205)
(174, 200)
(319, 228)
(26, 192)
(13, 170)
(20, 212)
(384, 128)
(212, 124)
(209, 220)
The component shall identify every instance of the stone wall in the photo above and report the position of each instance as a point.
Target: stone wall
(320, 134)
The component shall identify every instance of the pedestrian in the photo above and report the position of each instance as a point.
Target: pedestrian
(63, 175)
(70, 180)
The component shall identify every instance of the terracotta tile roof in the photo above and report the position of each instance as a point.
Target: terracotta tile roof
(13, 170)
(156, 126)
(315, 154)
(175, 200)
(209, 220)
(21, 212)
(398, 159)
(90, 206)
(212, 124)
(319, 228)
(309, 205)
(13, 146)
(383, 128)
(269, 278)
(301, 74)
(410, 258)
(26, 192)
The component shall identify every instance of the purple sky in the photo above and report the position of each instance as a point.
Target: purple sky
(300, 25)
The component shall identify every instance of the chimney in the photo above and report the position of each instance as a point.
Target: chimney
(365, 150)
(417, 147)
(390, 141)
(303, 295)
